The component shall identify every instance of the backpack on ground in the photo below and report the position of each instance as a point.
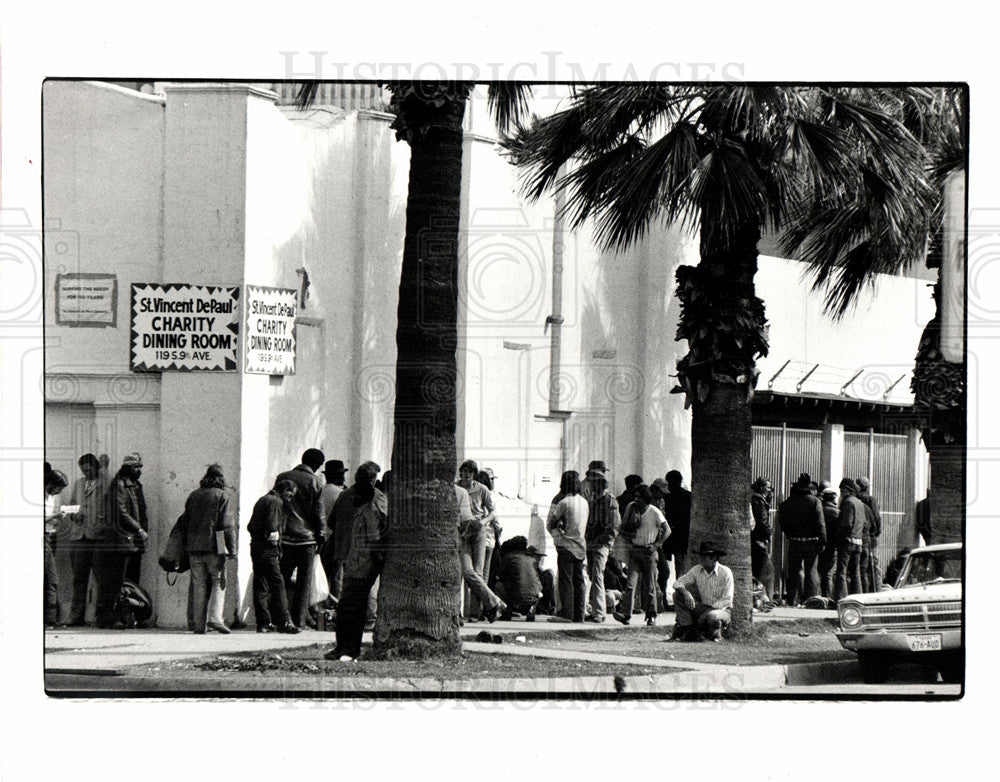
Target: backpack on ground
(135, 607)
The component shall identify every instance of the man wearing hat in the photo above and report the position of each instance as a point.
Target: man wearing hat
(335, 473)
(801, 519)
(122, 538)
(703, 597)
(603, 521)
(850, 539)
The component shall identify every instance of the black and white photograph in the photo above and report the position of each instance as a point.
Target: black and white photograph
(422, 391)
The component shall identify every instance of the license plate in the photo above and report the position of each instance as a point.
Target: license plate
(924, 643)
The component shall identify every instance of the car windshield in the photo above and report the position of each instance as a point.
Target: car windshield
(925, 567)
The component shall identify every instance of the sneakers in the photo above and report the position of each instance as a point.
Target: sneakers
(290, 629)
(595, 619)
(650, 621)
(345, 658)
(493, 614)
(269, 628)
(622, 618)
(219, 628)
(682, 633)
(337, 656)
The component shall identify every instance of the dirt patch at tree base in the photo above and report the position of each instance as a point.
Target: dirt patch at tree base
(308, 661)
(777, 642)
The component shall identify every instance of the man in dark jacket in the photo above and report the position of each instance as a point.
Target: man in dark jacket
(801, 520)
(122, 537)
(207, 512)
(828, 557)
(677, 510)
(267, 522)
(518, 584)
(850, 532)
(304, 533)
(602, 526)
(626, 497)
(360, 528)
(760, 535)
(870, 580)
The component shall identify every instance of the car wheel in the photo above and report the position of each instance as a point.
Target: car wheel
(874, 667)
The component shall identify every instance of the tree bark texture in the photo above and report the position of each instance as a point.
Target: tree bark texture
(724, 324)
(939, 399)
(418, 601)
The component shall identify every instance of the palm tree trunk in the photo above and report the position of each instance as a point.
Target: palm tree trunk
(947, 493)
(724, 323)
(418, 601)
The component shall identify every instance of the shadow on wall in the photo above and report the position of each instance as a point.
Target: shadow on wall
(351, 243)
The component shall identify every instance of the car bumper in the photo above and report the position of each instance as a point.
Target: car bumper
(899, 641)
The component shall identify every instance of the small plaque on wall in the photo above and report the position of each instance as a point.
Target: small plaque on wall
(87, 300)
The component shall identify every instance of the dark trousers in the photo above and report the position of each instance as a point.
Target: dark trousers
(51, 582)
(133, 567)
(572, 592)
(351, 612)
(870, 581)
(333, 568)
(300, 560)
(848, 580)
(761, 567)
(827, 566)
(663, 572)
(641, 565)
(109, 572)
(803, 580)
(81, 560)
(270, 604)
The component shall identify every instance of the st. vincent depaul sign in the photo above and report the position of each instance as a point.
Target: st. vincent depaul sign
(185, 327)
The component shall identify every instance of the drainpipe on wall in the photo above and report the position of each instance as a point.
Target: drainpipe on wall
(556, 319)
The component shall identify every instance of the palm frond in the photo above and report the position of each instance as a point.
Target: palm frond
(306, 94)
(508, 104)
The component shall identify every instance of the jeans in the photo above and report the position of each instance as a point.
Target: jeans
(81, 560)
(206, 584)
(663, 573)
(474, 603)
(641, 564)
(848, 578)
(710, 621)
(827, 566)
(597, 560)
(474, 581)
(109, 572)
(270, 604)
(351, 611)
(300, 560)
(802, 564)
(51, 582)
(572, 589)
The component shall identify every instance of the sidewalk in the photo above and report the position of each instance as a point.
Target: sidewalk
(90, 649)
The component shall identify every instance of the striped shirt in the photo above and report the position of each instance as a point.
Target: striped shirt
(714, 587)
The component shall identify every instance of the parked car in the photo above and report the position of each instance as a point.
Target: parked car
(919, 620)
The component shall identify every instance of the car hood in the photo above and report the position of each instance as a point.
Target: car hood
(910, 594)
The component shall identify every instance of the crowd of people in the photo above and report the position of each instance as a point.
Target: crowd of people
(611, 552)
(830, 541)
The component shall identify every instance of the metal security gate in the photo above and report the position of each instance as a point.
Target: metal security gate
(781, 454)
(882, 458)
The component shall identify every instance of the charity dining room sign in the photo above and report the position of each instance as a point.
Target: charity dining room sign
(270, 330)
(184, 327)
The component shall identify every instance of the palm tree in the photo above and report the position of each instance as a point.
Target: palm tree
(939, 384)
(418, 600)
(732, 161)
